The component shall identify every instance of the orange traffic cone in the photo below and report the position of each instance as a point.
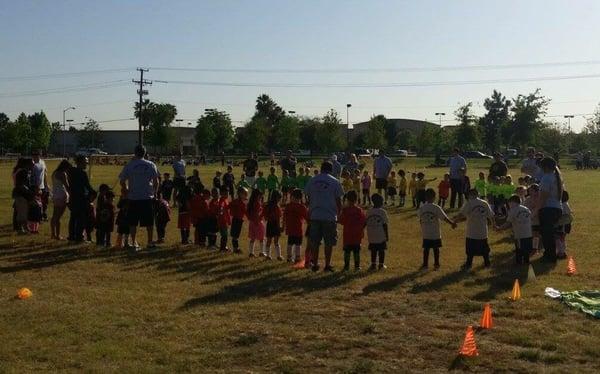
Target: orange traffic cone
(24, 293)
(571, 268)
(469, 348)
(299, 265)
(516, 291)
(486, 318)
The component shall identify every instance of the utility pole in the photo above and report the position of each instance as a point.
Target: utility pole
(141, 92)
(440, 114)
(348, 126)
(569, 116)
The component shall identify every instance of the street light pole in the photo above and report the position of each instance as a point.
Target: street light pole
(569, 116)
(65, 131)
(440, 114)
(348, 126)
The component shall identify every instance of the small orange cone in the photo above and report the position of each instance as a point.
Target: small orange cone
(469, 348)
(299, 265)
(571, 268)
(516, 291)
(24, 293)
(486, 318)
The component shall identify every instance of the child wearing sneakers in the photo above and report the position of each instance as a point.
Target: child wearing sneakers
(443, 190)
(392, 187)
(256, 225)
(430, 215)
(294, 214)
(377, 231)
(223, 218)
(238, 211)
(478, 215)
(519, 218)
(365, 183)
(272, 214)
(353, 219)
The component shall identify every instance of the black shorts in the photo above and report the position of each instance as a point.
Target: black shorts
(352, 248)
(273, 229)
(421, 196)
(307, 231)
(236, 227)
(141, 213)
(366, 191)
(392, 191)
(381, 183)
(535, 228)
(378, 246)
(432, 243)
(477, 247)
(525, 245)
(285, 189)
(294, 240)
(179, 182)
(212, 225)
(123, 229)
(402, 193)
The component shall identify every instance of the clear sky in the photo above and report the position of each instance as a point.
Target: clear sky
(49, 37)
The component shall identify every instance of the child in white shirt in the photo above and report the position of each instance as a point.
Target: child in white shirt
(519, 218)
(377, 231)
(430, 215)
(478, 215)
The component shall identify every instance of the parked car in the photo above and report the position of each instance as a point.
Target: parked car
(362, 152)
(476, 154)
(90, 152)
(400, 153)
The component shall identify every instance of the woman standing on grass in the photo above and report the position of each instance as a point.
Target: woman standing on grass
(22, 193)
(60, 197)
(550, 206)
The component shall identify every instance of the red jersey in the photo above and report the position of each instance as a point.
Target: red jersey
(293, 216)
(272, 214)
(223, 216)
(444, 189)
(213, 208)
(353, 219)
(238, 208)
(256, 214)
(198, 208)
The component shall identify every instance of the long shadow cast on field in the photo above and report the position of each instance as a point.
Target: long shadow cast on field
(391, 284)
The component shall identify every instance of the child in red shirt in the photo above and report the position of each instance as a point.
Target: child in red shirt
(223, 217)
(162, 216)
(294, 214)
(237, 208)
(354, 220)
(272, 214)
(256, 225)
(199, 212)
(212, 224)
(184, 221)
(444, 190)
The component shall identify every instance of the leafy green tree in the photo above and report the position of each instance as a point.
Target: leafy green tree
(287, 133)
(405, 139)
(497, 117)
(466, 134)
(253, 137)
(90, 135)
(307, 133)
(528, 112)
(4, 126)
(205, 136)
(553, 138)
(270, 115)
(375, 135)
(158, 132)
(592, 130)
(41, 130)
(329, 132)
(17, 134)
(215, 131)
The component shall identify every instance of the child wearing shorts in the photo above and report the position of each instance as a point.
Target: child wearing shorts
(430, 215)
(256, 225)
(237, 207)
(519, 218)
(377, 232)
(272, 214)
(353, 219)
(478, 215)
(294, 214)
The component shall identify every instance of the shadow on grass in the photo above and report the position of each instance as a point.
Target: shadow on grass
(390, 284)
(273, 283)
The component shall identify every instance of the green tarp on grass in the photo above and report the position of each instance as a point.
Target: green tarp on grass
(585, 301)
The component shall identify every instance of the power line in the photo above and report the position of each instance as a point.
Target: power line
(380, 85)
(384, 70)
(76, 88)
(64, 75)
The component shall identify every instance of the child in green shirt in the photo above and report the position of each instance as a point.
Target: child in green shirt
(481, 185)
(287, 185)
(272, 181)
(261, 183)
(243, 183)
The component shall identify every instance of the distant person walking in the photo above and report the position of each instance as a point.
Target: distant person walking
(80, 192)
(289, 164)
(22, 194)
(139, 181)
(324, 194)
(336, 170)
(456, 163)
(382, 168)
(60, 197)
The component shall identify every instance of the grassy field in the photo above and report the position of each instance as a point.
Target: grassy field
(186, 309)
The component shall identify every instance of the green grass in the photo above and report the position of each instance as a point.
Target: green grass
(184, 309)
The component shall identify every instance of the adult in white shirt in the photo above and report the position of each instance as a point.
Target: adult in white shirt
(550, 206)
(430, 215)
(139, 180)
(479, 215)
(456, 163)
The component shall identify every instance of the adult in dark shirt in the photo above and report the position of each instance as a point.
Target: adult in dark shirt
(289, 164)
(22, 193)
(498, 167)
(250, 169)
(79, 196)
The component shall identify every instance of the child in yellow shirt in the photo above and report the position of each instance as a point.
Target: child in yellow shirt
(402, 186)
(412, 188)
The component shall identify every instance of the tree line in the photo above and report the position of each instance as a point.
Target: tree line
(506, 123)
